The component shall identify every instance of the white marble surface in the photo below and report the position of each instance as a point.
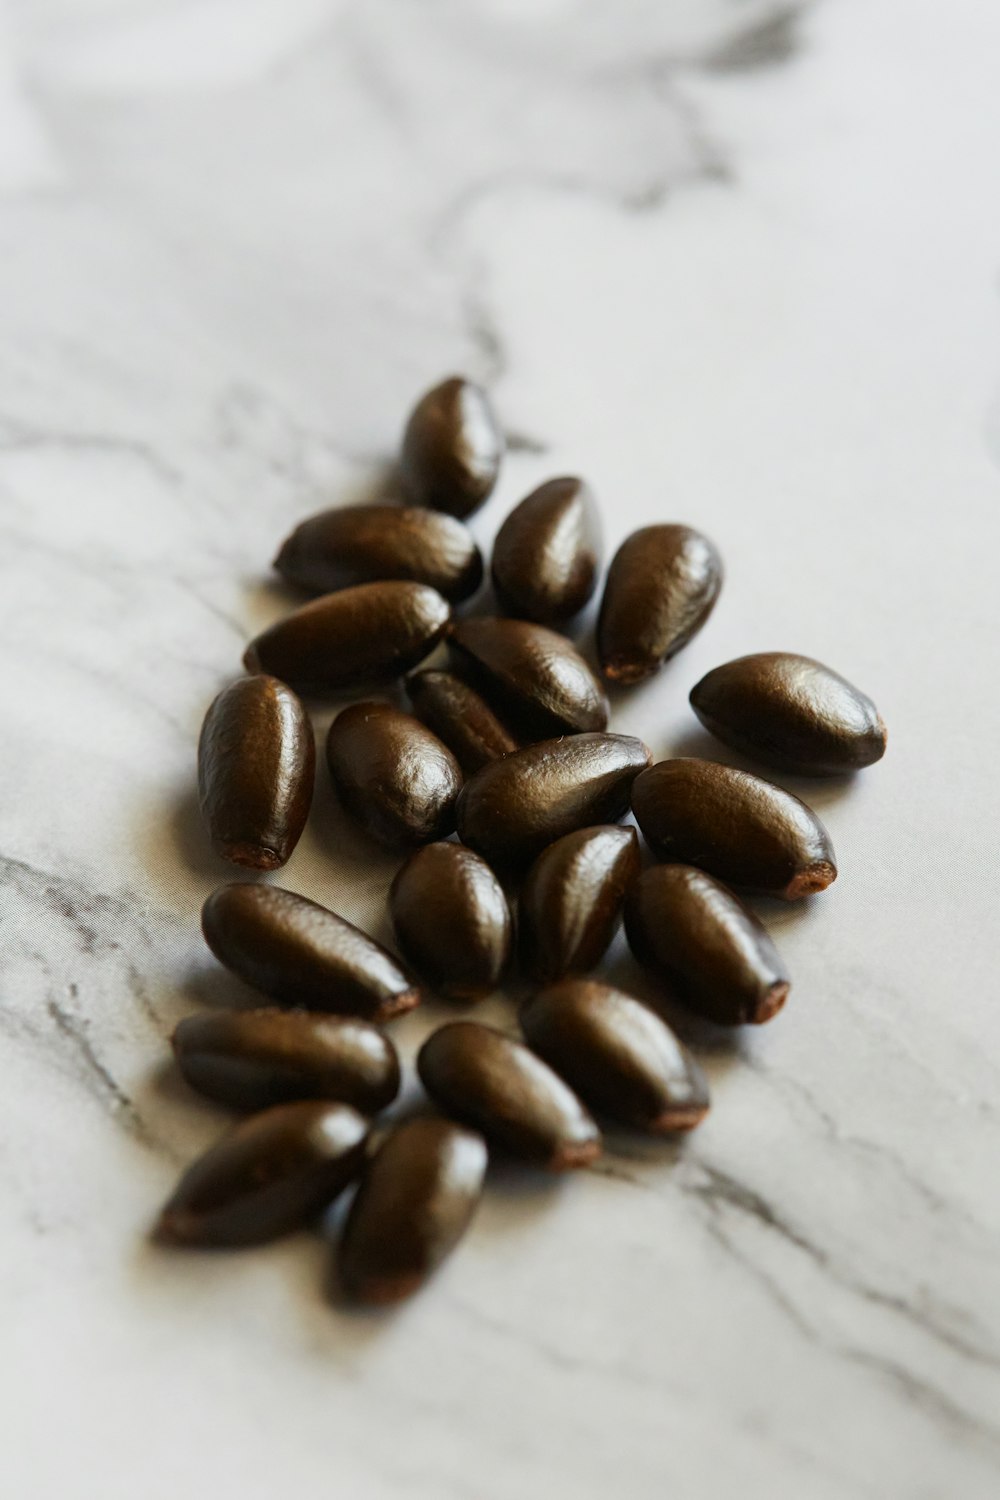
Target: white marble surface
(736, 262)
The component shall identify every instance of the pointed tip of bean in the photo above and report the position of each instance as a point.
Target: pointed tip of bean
(175, 1227)
(251, 856)
(251, 659)
(625, 673)
(398, 1005)
(576, 1154)
(810, 881)
(678, 1118)
(383, 1291)
(771, 1003)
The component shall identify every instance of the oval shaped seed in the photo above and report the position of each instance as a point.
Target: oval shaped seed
(715, 956)
(360, 636)
(572, 900)
(661, 587)
(392, 775)
(452, 448)
(510, 810)
(488, 1081)
(270, 1175)
(537, 678)
(747, 831)
(416, 1200)
(300, 954)
(792, 713)
(365, 543)
(452, 921)
(256, 768)
(253, 1058)
(622, 1060)
(545, 556)
(461, 717)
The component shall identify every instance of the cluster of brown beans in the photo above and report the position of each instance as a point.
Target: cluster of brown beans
(508, 747)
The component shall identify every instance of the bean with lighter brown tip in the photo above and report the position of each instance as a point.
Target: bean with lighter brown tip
(461, 717)
(270, 1175)
(452, 921)
(713, 953)
(365, 543)
(416, 1200)
(392, 775)
(256, 768)
(661, 588)
(355, 638)
(535, 677)
(254, 1058)
(452, 448)
(493, 1083)
(572, 898)
(747, 831)
(545, 556)
(622, 1060)
(300, 954)
(791, 712)
(510, 810)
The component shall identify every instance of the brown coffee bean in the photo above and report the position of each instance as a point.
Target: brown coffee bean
(660, 590)
(392, 775)
(511, 810)
(256, 768)
(621, 1059)
(416, 1200)
(537, 679)
(485, 1079)
(366, 543)
(749, 832)
(270, 1175)
(452, 448)
(461, 717)
(715, 956)
(360, 636)
(792, 713)
(253, 1058)
(572, 898)
(300, 954)
(452, 921)
(545, 556)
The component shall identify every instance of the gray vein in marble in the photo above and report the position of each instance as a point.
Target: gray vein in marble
(17, 435)
(765, 44)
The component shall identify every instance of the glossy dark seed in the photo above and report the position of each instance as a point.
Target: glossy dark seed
(749, 832)
(360, 636)
(660, 590)
(461, 717)
(270, 1175)
(416, 1200)
(545, 556)
(256, 768)
(488, 1081)
(622, 1060)
(572, 898)
(392, 775)
(536, 678)
(365, 543)
(253, 1058)
(792, 713)
(300, 954)
(452, 448)
(510, 810)
(452, 921)
(715, 956)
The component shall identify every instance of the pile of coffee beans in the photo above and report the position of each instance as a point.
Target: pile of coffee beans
(508, 747)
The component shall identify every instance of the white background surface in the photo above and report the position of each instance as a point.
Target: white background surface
(738, 265)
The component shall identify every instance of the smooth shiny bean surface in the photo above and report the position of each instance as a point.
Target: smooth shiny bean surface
(747, 831)
(546, 553)
(270, 1175)
(572, 899)
(661, 588)
(452, 921)
(256, 769)
(355, 638)
(366, 543)
(392, 775)
(536, 678)
(715, 956)
(452, 448)
(300, 954)
(791, 713)
(460, 716)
